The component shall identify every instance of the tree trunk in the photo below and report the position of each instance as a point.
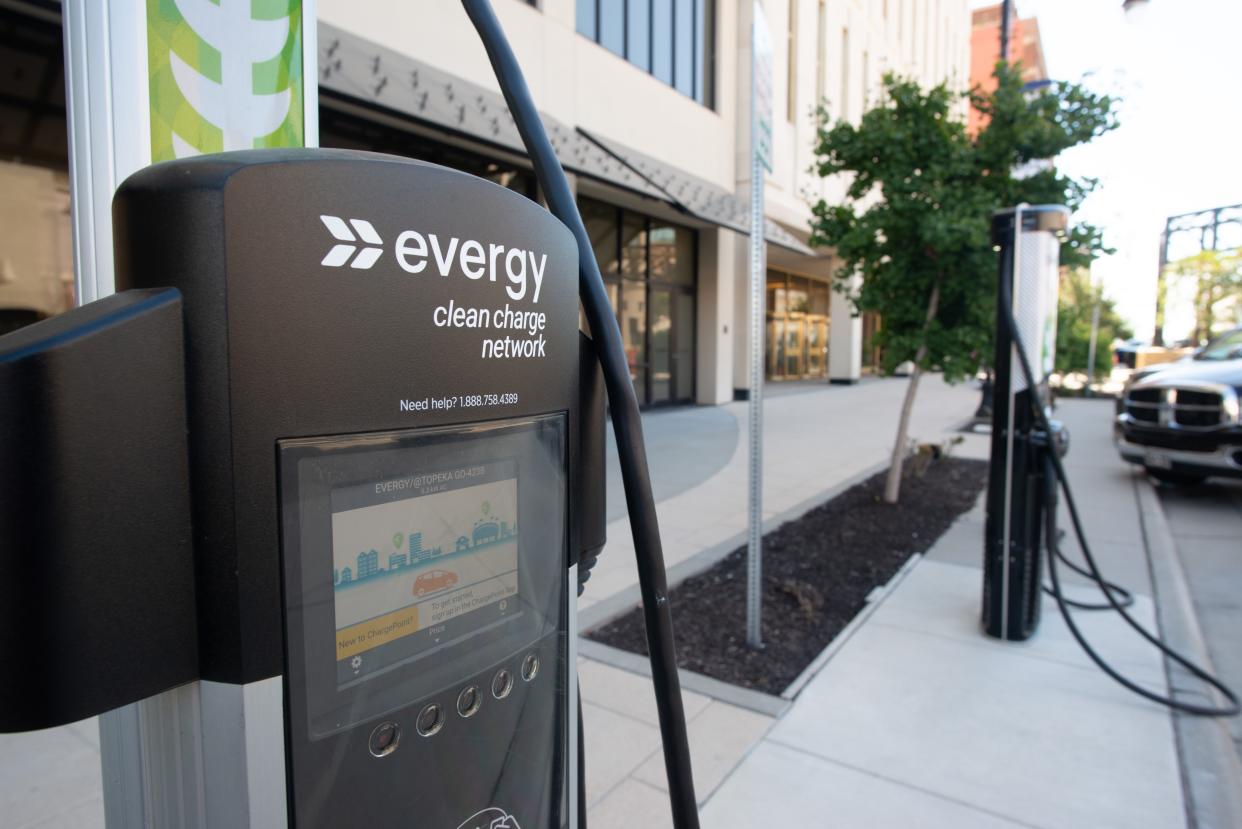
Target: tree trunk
(892, 485)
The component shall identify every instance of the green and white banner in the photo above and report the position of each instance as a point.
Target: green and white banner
(224, 75)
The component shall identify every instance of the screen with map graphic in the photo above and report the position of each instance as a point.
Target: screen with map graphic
(421, 562)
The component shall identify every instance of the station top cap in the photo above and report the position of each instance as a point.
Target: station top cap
(1052, 218)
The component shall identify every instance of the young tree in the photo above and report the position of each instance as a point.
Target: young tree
(1075, 309)
(913, 234)
(1217, 276)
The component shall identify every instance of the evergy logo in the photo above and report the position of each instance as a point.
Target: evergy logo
(415, 252)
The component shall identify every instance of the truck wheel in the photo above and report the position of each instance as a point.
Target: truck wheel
(1168, 476)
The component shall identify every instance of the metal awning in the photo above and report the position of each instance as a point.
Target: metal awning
(357, 68)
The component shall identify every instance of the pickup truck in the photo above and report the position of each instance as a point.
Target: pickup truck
(1181, 420)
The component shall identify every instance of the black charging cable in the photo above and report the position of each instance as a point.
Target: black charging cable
(623, 405)
(1054, 472)
(1124, 596)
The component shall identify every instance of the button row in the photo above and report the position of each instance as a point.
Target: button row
(386, 735)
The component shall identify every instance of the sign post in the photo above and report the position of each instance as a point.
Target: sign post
(760, 160)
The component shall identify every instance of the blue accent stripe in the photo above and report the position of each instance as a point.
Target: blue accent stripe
(162, 297)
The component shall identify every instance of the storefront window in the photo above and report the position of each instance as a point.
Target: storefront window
(653, 293)
(36, 246)
(797, 335)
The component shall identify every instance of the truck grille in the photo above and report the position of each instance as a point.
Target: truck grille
(1185, 408)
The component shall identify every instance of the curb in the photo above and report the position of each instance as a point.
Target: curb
(1210, 769)
(756, 701)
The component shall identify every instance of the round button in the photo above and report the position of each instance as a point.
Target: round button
(384, 739)
(502, 684)
(430, 719)
(530, 667)
(468, 701)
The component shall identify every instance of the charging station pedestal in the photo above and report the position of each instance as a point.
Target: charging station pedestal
(1028, 238)
(351, 446)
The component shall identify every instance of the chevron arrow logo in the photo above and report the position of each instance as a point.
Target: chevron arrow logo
(341, 253)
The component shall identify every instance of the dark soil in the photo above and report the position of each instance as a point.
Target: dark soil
(817, 573)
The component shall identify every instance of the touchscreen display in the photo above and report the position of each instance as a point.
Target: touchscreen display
(420, 562)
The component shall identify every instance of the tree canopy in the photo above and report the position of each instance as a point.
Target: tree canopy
(1217, 279)
(914, 229)
(1075, 308)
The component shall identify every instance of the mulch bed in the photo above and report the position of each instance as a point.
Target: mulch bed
(817, 573)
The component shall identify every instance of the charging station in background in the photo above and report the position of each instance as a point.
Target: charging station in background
(1029, 241)
(337, 441)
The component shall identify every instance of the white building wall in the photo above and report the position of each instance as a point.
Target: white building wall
(581, 83)
(842, 49)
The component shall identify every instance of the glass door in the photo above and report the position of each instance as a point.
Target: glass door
(660, 355)
(683, 345)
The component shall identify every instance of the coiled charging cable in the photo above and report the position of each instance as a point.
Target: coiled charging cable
(1054, 472)
(1124, 596)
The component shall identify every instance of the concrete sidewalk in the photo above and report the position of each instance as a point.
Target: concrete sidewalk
(917, 718)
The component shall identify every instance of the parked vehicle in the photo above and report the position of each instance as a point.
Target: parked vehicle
(1181, 421)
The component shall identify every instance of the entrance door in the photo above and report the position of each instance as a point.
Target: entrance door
(816, 346)
(795, 343)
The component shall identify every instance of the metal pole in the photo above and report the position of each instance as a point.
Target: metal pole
(1006, 13)
(754, 544)
(1095, 333)
(1157, 336)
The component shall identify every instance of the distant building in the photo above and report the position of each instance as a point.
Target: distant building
(396, 560)
(346, 576)
(463, 543)
(1025, 48)
(336, 576)
(368, 564)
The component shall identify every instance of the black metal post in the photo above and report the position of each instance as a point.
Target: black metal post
(1006, 15)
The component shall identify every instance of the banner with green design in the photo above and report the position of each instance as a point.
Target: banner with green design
(224, 75)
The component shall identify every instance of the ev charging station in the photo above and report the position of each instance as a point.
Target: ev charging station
(1028, 239)
(303, 510)
(378, 487)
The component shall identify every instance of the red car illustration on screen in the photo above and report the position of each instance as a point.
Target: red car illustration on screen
(434, 580)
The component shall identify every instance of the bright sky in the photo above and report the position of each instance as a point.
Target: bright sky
(1178, 66)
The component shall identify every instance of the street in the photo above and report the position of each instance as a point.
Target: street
(1207, 524)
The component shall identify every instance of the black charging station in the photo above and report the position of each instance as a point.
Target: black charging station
(1028, 241)
(339, 426)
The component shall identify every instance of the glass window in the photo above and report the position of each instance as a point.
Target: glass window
(683, 357)
(586, 18)
(777, 294)
(638, 34)
(671, 39)
(683, 47)
(791, 63)
(649, 276)
(661, 345)
(633, 317)
(662, 40)
(799, 295)
(612, 26)
(633, 247)
(820, 298)
(672, 254)
(601, 226)
(703, 34)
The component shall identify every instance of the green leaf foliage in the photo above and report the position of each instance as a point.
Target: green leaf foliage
(920, 199)
(1075, 307)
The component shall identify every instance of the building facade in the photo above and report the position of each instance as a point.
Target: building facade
(647, 104)
(1025, 48)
